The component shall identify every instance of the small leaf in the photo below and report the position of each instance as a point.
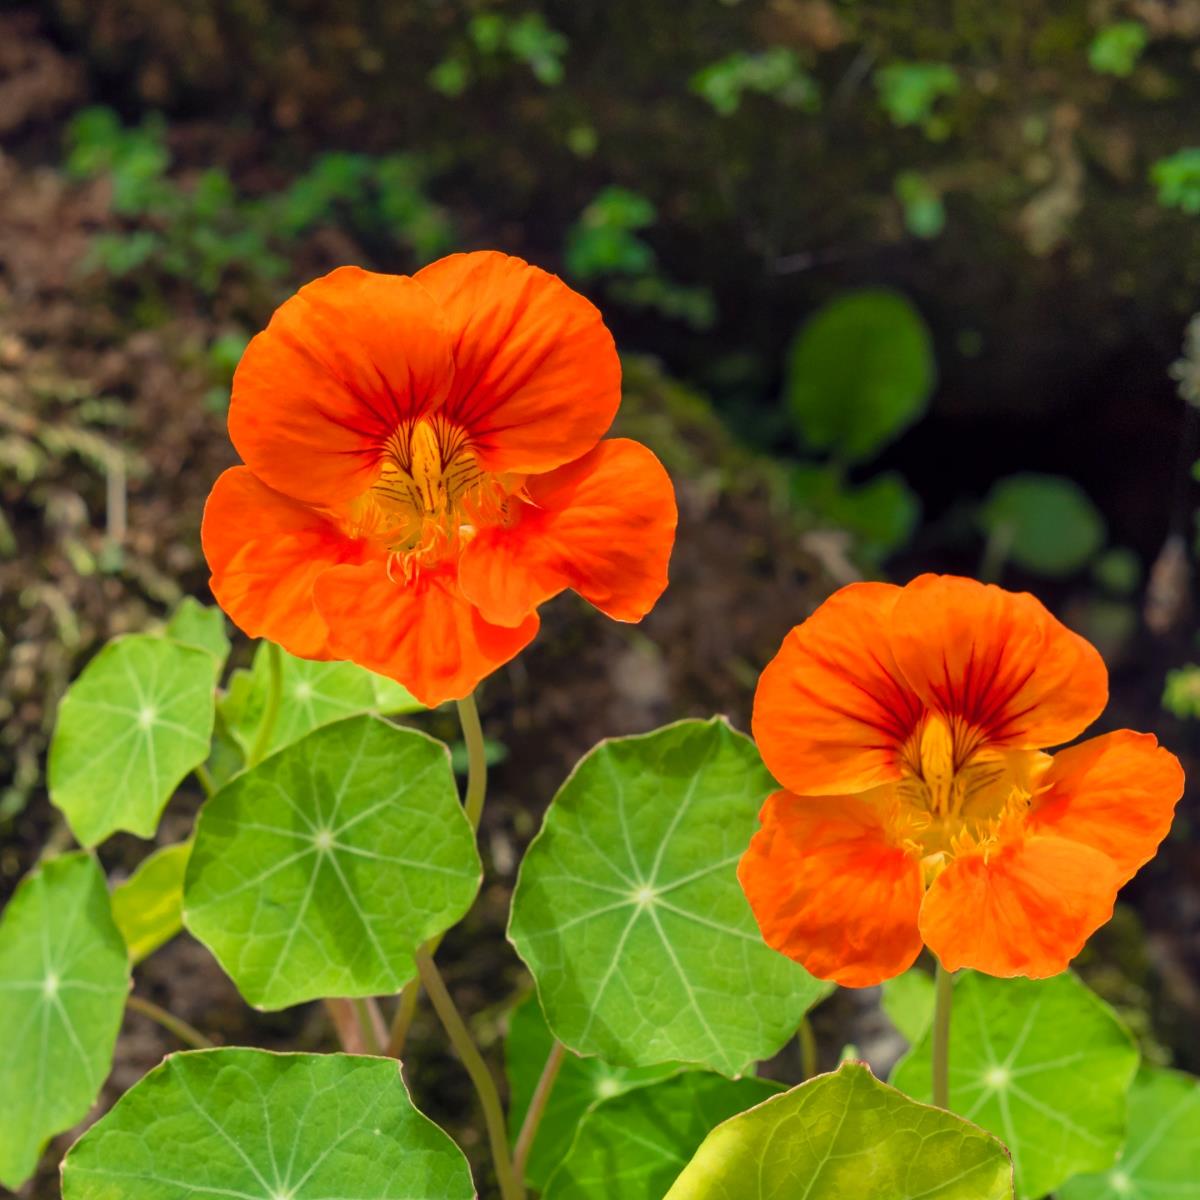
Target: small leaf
(846, 1135)
(148, 906)
(908, 1003)
(314, 694)
(1161, 1159)
(1116, 48)
(247, 1123)
(1047, 523)
(64, 976)
(580, 1083)
(633, 1146)
(320, 871)
(629, 915)
(859, 373)
(1043, 1064)
(195, 624)
(130, 728)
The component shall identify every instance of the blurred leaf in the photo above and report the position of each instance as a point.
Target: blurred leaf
(1118, 571)
(64, 976)
(924, 213)
(148, 906)
(908, 91)
(531, 41)
(632, 1147)
(846, 1135)
(451, 77)
(775, 72)
(908, 1003)
(882, 514)
(1116, 49)
(859, 372)
(629, 914)
(1046, 523)
(1181, 694)
(1177, 179)
(604, 240)
(1044, 1065)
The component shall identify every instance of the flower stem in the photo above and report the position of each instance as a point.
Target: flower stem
(537, 1106)
(943, 996)
(477, 1069)
(266, 727)
(186, 1033)
(808, 1049)
(346, 1024)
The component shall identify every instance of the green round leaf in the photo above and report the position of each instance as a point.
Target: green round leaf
(629, 915)
(908, 1002)
(64, 976)
(1161, 1159)
(633, 1146)
(580, 1083)
(320, 871)
(1045, 523)
(196, 624)
(314, 694)
(257, 1126)
(129, 729)
(1043, 1064)
(846, 1135)
(859, 373)
(148, 906)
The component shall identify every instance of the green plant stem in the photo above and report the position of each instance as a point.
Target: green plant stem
(171, 1023)
(537, 1106)
(477, 1069)
(266, 728)
(206, 781)
(370, 1025)
(943, 997)
(472, 730)
(809, 1061)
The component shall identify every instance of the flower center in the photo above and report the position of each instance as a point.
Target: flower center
(430, 498)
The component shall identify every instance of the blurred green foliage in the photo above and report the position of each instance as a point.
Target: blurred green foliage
(924, 212)
(493, 38)
(1181, 694)
(909, 92)
(1115, 50)
(1177, 178)
(776, 72)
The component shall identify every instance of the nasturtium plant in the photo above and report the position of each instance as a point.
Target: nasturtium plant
(908, 1003)
(130, 728)
(632, 1146)
(859, 372)
(581, 1083)
(1044, 523)
(1161, 1157)
(148, 906)
(196, 624)
(312, 694)
(846, 1134)
(629, 915)
(64, 976)
(1043, 1064)
(247, 1123)
(322, 870)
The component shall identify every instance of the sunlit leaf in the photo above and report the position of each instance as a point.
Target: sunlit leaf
(1044, 523)
(129, 729)
(314, 694)
(580, 1083)
(148, 906)
(629, 914)
(1161, 1159)
(320, 871)
(1043, 1064)
(64, 976)
(257, 1126)
(908, 1002)
(196, 624)
(859, 373)
(846, 1135)
(633, 1146)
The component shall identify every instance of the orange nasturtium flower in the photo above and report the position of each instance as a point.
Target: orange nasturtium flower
(908, 727)
(424, 467)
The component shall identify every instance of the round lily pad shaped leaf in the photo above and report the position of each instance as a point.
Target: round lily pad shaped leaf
(64, 976)
(130, 728)
(1161, 1158)
(322, 870)
(629, 915)
(1043, 1064)
(859, 373)
(632, 1147)
(253, 1125)
(1047, 524)
(842, 1135)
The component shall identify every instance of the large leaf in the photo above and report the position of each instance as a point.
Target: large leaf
(64, 976)
(908, 1002)
(129, 729)
(859, 373)
(257, 1126)
(314, 694)
(320, 871)
(846, 1135)
(148, 906)
(1161, 1159)
(196, 624)
(629, 915)
(580, 1083)
(1044, 1064)
(632, 1146)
